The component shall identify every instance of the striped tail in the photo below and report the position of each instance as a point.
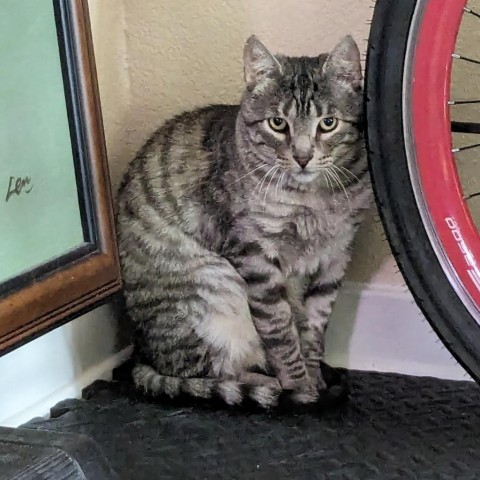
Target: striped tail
(153, 384)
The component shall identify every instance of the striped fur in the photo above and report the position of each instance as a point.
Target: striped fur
(231, 252)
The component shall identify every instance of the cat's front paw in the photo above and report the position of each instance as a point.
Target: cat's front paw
(307, 394)
(328, 390)
(290, 383)
(305, 389)
(317, 378)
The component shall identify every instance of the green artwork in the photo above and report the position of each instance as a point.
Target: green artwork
(39, 209)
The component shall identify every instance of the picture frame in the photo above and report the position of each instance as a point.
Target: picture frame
(71, 277)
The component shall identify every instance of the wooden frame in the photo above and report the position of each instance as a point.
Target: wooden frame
(47, 296)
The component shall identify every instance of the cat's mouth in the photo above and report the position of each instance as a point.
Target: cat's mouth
(304, 176)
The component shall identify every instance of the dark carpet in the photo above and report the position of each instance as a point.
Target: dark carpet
(392, 427)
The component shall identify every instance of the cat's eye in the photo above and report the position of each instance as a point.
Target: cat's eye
(278, 124)
(328, 124)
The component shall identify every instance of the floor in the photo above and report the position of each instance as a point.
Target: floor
(391, 427)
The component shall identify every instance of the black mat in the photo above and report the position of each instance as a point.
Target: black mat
(27, 454)
(393, 427)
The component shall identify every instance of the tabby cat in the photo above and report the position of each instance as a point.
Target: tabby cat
(235, 224)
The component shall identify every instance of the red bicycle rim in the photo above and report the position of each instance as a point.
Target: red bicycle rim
(442, 195)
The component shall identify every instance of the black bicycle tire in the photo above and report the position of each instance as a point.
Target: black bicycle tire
(394, 194)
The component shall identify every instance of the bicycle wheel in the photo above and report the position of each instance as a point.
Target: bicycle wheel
(414, 163)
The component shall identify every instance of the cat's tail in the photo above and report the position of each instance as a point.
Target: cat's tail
(153, 384)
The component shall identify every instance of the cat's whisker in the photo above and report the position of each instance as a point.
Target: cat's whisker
(326, 176)
(279, 182)
(340, 184)
(276, 187)
(259, 183)
(268, 186)
(337, 169)
(337, 179)
(250, 173)
(347, 171)
(264, 178)
(329, 174)
(340, 172)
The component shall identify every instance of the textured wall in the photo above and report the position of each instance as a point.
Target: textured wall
(182, 54)
(110, 43)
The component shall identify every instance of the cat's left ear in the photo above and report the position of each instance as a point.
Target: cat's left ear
(344, 63)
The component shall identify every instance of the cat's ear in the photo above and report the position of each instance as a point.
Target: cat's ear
(344, 63)
(259, 63)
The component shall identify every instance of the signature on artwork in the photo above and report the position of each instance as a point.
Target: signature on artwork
(17, 185)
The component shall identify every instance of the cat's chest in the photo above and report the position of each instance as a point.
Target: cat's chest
(310, 225)
(303, 234)
(305, 224)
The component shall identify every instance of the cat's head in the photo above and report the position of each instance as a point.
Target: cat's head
(303, 114)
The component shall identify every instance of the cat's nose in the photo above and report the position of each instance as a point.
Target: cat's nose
(302, 161)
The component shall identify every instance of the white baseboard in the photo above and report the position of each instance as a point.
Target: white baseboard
(41, 408)
(379, 328)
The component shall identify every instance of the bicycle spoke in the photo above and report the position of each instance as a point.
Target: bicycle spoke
(462, 102)
(465, 127)
(472, 195)
(466, 59)
(468, 147)
(469, 10)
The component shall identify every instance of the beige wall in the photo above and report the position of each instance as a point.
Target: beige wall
(158, 57)
(109, 31)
